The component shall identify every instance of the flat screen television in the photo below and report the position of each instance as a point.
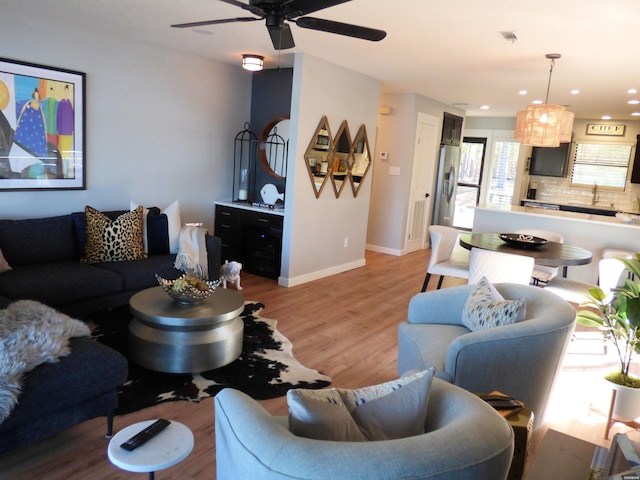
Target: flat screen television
(550, 161)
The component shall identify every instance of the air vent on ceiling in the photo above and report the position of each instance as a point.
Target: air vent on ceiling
(509, 35)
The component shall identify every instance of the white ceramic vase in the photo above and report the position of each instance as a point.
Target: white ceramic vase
(627, 406)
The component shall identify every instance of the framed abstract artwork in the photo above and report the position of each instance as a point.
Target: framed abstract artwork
(42, 127)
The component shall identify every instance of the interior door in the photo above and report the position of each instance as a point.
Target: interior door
(420, 200)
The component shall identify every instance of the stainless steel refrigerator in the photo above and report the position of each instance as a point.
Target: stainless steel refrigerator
(446, 186)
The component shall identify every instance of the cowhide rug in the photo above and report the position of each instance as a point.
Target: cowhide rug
(265, 369)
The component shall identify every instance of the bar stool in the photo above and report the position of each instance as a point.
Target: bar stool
(609, 272)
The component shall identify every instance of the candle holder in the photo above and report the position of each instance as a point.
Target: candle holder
(244, 160)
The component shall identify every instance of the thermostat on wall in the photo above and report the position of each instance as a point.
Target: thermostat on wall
(384, 155)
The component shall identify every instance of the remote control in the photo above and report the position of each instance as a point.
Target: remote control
(146, 434)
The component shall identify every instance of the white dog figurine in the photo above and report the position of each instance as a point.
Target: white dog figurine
(230, 272)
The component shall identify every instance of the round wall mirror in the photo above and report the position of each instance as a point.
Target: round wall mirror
(273, 149)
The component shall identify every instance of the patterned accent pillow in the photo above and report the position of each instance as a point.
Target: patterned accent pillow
(486, 308)
(113, 240)
(4, 265)
(395, 409)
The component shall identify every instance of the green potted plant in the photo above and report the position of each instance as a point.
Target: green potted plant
(617, 315)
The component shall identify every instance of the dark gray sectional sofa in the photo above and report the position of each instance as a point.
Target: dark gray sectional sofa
(57, 396)
(45, 256)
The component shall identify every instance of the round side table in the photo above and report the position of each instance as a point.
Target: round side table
(167, 448)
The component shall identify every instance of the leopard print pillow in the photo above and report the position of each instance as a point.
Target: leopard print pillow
(113, 240)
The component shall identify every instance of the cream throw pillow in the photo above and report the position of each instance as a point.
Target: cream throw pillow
(395, 409)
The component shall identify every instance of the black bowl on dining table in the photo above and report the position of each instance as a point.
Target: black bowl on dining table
(522, 240)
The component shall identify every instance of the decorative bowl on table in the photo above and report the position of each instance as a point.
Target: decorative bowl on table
(627, 217)
(188, 289)
(522, 240)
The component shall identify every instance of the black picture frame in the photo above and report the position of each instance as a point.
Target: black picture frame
(42, 127)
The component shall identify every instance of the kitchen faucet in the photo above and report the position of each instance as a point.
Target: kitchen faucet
(594, 192)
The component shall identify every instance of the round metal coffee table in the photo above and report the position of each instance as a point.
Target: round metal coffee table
(167, 336)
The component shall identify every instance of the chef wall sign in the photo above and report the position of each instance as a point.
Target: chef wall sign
(607, 129)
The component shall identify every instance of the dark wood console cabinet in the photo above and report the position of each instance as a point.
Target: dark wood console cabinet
(251, 236)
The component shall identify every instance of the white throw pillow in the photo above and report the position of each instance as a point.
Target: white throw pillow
(174, 225)
(395, 409)
(486, 308)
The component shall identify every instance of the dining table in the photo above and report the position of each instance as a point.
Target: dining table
(552, 254)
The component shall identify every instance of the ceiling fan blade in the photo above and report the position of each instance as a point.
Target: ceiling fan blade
(340, 28)
(281, 37)
(215, 22)
(253, 9)
(236, 3)
(297, 8)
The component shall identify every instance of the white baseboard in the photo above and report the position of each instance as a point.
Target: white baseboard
(386, 250)
(309, 277)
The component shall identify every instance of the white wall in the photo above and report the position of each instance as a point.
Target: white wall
(316, 228)
(390, 193)
(160, 123)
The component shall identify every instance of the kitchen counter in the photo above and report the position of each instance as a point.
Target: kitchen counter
(570, 207)
(589, 231)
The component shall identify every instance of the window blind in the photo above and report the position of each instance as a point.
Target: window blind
(602, 164)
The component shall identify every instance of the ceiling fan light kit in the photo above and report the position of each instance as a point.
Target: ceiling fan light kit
(253, 63)
(276, 12)
(544, 125)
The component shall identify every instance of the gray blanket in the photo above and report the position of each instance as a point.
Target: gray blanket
(31, 334)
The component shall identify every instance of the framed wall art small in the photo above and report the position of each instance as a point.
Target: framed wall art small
(42, 127)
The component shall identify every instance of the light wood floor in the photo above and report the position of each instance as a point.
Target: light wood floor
(345, 327)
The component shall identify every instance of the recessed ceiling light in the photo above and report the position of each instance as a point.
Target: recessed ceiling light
(635, 114)
(575, 91)
(484, 107)
(633, 102)
(632, 91)
(537, 102)
(606, 117)
(522, 92)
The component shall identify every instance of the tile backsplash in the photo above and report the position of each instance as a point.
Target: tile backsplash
(559, 190)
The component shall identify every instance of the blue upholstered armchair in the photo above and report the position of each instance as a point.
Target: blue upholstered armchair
(520, 359)
(465, 439)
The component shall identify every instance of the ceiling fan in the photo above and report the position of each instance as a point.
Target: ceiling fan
(276, 12)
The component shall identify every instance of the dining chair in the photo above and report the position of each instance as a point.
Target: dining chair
(543, 273)
(499, 267)
(448, 258)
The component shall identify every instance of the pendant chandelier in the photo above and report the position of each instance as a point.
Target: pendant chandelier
(544, 125)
